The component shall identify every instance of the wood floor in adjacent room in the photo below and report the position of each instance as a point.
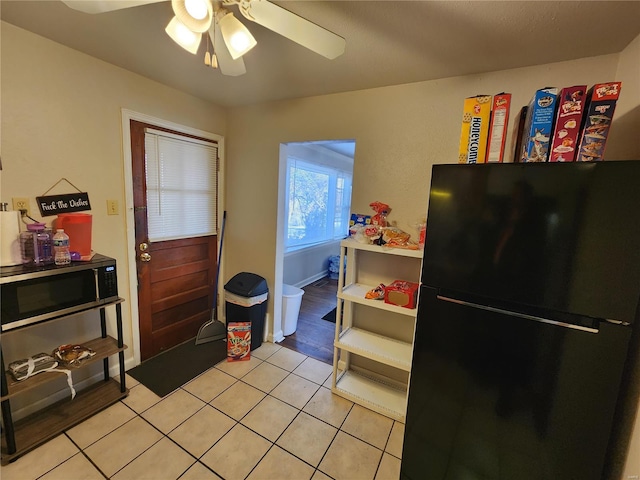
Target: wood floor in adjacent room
(314, 336)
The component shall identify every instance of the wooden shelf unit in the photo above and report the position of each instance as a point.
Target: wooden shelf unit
(28, 433)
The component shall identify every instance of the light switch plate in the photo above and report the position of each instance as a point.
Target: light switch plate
(112, 207)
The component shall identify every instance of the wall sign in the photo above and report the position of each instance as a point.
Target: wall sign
(63, 203)
(66, 203)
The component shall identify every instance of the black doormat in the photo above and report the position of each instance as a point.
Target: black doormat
(331, 316)
(169, 370)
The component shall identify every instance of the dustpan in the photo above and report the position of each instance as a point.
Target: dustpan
(214, 330)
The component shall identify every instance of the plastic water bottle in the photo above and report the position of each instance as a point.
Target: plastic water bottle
(61, 248)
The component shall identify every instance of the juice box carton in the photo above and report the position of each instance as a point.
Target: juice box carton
(238, 341)
(475, 129)
(498, 127)
(596, 123)
(538, 125)
(566, 132)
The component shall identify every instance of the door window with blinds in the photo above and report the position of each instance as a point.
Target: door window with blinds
(181, 176)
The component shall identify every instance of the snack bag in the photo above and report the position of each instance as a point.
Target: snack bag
(25, 368)
(73, 355)
(395, 237)
(376, 293)
(382, 210)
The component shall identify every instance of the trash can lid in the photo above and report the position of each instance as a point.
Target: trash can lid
(247, 284)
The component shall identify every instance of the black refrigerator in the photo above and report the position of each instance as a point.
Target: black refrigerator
(527, 328)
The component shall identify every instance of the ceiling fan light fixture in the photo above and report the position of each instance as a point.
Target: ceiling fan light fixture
(196, 15)
(237, 37)
(184, 37)
(196, 8)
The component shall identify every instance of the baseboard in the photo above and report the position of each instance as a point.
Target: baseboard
(310, 280)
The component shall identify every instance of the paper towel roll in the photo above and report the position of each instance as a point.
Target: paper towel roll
(9, 239)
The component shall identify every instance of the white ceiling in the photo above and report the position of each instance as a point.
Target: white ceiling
(387, 42)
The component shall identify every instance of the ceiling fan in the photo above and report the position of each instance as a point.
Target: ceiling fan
(229, 37)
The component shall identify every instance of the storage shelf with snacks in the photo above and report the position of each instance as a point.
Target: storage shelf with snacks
(373, 344)
(32, 431)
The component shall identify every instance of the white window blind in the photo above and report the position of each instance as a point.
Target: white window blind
(181, 175)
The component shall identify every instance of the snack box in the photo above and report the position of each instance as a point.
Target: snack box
(238, 341)
(538, 125)
(566, 131)
(475, 129)
(601, 104)
(401, 293)
(359, 220)
(498, 127)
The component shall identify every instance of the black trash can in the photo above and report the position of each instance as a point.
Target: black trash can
(246, 301)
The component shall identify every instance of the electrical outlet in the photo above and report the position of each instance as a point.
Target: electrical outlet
(20, 203)
(112, 207)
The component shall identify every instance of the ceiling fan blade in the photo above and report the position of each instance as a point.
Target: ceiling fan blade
(228, 66)
(294, 27)
(101, 6)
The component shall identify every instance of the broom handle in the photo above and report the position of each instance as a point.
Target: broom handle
(215, 292)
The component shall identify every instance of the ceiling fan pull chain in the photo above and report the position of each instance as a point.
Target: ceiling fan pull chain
(207, 56)
(214, 57)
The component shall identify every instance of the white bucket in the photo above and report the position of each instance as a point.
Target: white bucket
(291, 300)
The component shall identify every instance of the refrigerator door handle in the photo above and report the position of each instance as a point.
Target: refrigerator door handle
(518, 314)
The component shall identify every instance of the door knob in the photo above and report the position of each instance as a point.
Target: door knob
(143, 247)
(145, 257)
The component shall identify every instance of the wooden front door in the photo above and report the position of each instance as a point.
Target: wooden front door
(176, 278)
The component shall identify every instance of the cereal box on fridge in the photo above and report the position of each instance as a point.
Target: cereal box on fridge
(238, 341)
(475, 129)
(538, 125)
(601, 103)
(498, 127)
(567, 124)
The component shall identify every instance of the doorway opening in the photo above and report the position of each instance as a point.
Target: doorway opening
(315, 189)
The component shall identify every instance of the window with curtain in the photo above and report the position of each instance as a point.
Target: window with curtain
(318, 203)
(181, 175)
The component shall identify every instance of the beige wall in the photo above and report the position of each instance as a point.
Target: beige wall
(61, 118)
(400, 132)
(624, 140)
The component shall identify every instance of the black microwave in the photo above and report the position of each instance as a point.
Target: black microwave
(31, 294)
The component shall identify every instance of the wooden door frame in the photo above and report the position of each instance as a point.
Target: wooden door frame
(129, 270)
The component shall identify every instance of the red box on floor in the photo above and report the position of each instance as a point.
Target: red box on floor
(238, 341)
(401, 293)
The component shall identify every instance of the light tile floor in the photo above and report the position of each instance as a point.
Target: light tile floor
(270, 418)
